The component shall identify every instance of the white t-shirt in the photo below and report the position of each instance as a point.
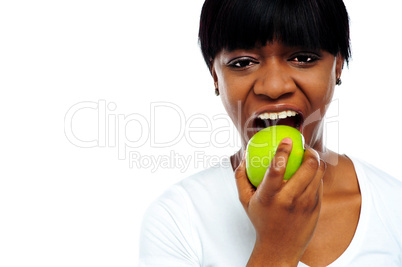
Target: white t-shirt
(201, 222)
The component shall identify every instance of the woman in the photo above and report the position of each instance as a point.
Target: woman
(271, 57)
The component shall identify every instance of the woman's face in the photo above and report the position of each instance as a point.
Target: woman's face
(277, 84)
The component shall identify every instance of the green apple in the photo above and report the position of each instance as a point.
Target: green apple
(262, 147)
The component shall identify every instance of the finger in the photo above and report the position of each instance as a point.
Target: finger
(244, 187)
(317, 180)
(273, 178)
(313, 193)
(305, 174)
(318, 196)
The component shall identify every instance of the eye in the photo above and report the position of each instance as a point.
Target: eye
(305, 58)
(241, 63)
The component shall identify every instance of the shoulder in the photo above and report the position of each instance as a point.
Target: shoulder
(180, 198)
(216, 181)
(207, 181)
(383, 187)
(171, 223)
(199, 186)
(381, 194)
(201, 194)
(377, 178)
(206, 184)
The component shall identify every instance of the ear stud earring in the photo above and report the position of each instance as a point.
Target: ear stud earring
(338, 81)
(216, 91)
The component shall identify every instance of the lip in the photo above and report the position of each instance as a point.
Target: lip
(275, 108)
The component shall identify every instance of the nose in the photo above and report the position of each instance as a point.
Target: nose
(274, 81)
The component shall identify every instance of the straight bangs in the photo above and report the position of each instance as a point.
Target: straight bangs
(242, 24)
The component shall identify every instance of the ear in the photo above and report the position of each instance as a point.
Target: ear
(339, 65)
(214, 75)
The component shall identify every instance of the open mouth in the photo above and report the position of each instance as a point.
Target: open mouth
(287, 117)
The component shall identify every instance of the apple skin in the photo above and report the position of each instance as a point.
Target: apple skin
(262, 147)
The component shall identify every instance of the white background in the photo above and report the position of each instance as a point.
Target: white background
(64, 205)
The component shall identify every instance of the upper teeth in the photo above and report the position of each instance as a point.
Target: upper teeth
(277, 115)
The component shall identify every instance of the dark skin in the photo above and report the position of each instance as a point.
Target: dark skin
(313, 217)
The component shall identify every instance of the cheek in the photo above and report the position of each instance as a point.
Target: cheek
(232, 91)
(322, 96)
(228, 96)
(328, 89)
(319, 89)
(232, 102)
(233, 96)
(319, 93)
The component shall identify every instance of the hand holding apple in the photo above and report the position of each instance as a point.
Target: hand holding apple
(284, 216)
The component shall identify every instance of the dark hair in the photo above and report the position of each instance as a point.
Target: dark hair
(242, 24)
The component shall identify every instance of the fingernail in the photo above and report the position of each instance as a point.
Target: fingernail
(287, 140)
